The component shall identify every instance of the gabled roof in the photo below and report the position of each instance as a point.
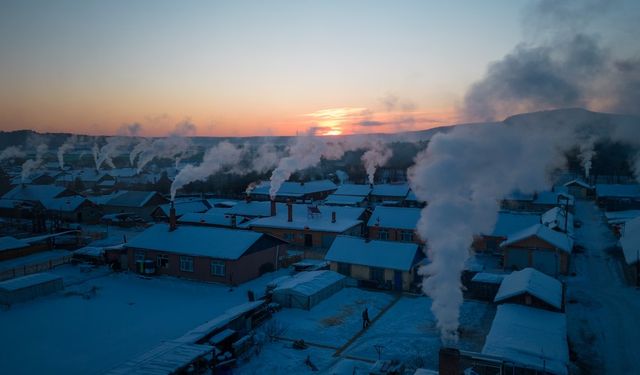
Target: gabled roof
(344, 200)
(533, 282)
(532, 338)
(512, 222)
(395, 217)
(211, 242)
(64, 204)
(390, 190)
(35, 192)
(212, 219)
(630, 240)
(123, 172)
(11, 243)
(132, 199)
(310, 282)
(557, 239)
(617, 191)
(353, 189)
(296, 189)
(28, 281)
(383, 254)
(552, 197)
(578, 182)
(346, 218)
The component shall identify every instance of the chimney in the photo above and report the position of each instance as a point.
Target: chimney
(449, 361)
(333, 216)
(172, 217)
(289, 211)
(273, 207)
(234, 221)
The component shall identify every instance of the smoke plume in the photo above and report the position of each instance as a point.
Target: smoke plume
(66, 146)
(376, 156)
(217, 158)
(31, 165)
(12, 152)
(343, 177)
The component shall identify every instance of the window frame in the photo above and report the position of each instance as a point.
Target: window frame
(184, 260)
(160, 258)
(218, 264)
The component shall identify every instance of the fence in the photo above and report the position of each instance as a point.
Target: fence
(28, 269)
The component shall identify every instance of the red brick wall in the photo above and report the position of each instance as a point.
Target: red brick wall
(394, 234)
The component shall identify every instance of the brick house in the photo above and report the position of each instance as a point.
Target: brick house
(538, 247)
(394, 224)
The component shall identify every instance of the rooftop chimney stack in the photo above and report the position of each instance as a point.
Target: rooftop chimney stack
(449, 361)
(172, 217)
(333, 216)
(234, 221)
(273, 207)
(289, 211)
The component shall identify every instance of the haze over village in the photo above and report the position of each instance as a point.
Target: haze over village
(338, 187)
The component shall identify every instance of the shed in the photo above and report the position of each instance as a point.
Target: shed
(484, 285)
(28, 287)
(532, 288)
(171, 357)
(307, 289)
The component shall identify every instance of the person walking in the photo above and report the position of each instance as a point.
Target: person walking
(365, 318)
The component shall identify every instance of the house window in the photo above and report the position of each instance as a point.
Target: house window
(344, 269)
(383, 234)
(407, 236)
(217, 268)
(186, 264)
(376, 274)
(163, 261)
(289, 236)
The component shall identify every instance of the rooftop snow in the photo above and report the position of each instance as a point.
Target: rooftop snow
(334, 199)
(488, 278)
(346, 218)
(390, 190)
(28, 281)
(310, 282)
(512, 222)
(212, 242)
(11, 243)
(296, 189)
(34, 192)
(383, 254)
(530, 337)
(555, 218)
(616, 217)
(165, 359)
(64, 204)
(533, 282)
(395, 217)
(617, 191)
(212, 219)
(551, 197)
(353, 189)
(559, 240)
(578, 182)
(131, 199)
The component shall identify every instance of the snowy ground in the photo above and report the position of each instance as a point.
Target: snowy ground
(404, 327)
(76, 332)
(602, 309)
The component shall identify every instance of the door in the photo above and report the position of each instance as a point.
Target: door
(308, 240)
(397, 281)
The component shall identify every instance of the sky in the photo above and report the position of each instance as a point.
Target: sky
(243, 68)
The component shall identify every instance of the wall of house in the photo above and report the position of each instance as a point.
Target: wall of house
(296, 237)
(527, 299)
(17, 253)
(394, 234)
(533, 252)
(360, 272)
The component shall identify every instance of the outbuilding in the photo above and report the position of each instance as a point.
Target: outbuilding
(28, 287)
(307, 289)
(539, 247)
(533, 288)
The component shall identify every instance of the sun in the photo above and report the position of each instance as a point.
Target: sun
(333, 132)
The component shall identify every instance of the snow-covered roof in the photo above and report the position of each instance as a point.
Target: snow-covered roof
(395, 217)
(488, 278)
(519, 196)
(131, 199)
(346, 200)
(123, 172)
(296, 189)
(11, 243)
(309, 283)
(346, 218)
(532, 338)
(185, 207)
(28, 281)
(534, 282)
(353, 189)
(383, 254)
(552, 197)
(617, 217)
(390, 190)
(555, 219)
(165, 359)
(211, 242)
(252, 208)
(578, 182)
(411, 197)
(557, 239)
(213, 219)
(64, 204)
(103, 199)
(92, 251)
(618, 191)
(512, 222)
(35, 192)
(630, 240)
(218, 322)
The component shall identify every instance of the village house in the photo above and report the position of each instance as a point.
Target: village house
(579, 189)
(532, 288)
(630, 244)
(37, 193)
(507, 223)
(375, 263)
(11, 248)
(349, 195)
(297, 191)
(75, 208)
(40, 178)
(185, 207)
(537, 202)
(310, 227)
(89, 178)
(539, 247)
(394, 224)
(618, 197)
(389, 194)
(205, 254)
(141, 203)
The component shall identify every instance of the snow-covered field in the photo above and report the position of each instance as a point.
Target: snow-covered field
(78, 332)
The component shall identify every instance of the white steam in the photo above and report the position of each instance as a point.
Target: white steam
(31, 165)
(66, 146)
(12, 152)
(376, 156)
(221, 156)
(586, 155)
(342, 176)
(462, 175)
